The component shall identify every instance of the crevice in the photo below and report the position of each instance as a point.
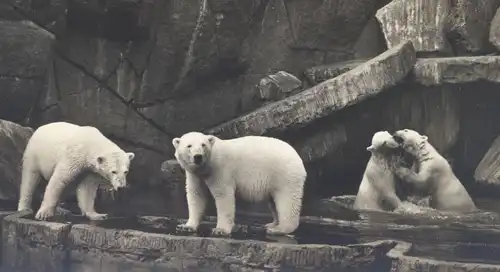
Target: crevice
(194, 37)
(128, 104)
(287, 14)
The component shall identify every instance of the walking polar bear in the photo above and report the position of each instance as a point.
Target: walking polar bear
(66, 154)
(435, 174)
(254, 168)
(377, 189)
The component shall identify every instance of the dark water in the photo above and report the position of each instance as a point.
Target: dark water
(473, 237)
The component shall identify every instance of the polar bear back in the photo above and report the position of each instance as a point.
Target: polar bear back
(257, 165)
(60, 141)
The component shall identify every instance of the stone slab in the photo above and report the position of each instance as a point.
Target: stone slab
(367, 80)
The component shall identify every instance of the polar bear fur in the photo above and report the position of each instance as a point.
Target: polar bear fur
(377, 189)
(435, 174)
(254, 168)
(66, 154)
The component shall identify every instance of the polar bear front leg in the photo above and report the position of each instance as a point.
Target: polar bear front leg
(85, 194)
(60, 179)
(225, 204)
(196, 196)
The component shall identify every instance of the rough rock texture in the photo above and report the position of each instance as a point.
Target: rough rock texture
(39, 246)
(441, 27)
(437, 71)
(403, 263)
(321, 143)
(13, 141)
(371, 42)
(372, 78)
(488, 170)
(433, 111)
(49, 14)
(469, 25)
(320, 73)
(27, 53)
(278, 86)
(420, 21)
(495, 30)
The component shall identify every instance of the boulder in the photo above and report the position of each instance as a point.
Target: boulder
(27, 50)
(488, 170)
(369, 79)
(495, 30)
(469, 26)
(457, 70)
(13, 141)
(277, 86)
(320, 73)
(423, 22)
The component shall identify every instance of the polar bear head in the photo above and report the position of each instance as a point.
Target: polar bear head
(411, 141)
(382, 139)
(114, 166)
(193, 149)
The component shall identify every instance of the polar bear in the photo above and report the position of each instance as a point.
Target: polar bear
(435, 174)
(377, 189)
(66, 154)
(255, 168)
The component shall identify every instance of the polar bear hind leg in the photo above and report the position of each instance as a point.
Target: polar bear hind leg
(274, 213)
(86, 192)
(62, 176)
(30, 178)
(288, 205)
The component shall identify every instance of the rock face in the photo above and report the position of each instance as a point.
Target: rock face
(488, 170)
(13, 140)
(442, 27)
(27, 52)
(420, 21)
(278, 86)
(373, 77)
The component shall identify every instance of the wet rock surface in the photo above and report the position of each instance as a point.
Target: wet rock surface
(495, 30)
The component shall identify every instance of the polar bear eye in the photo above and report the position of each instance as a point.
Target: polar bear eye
(113, 172)
(125, 172)
(203, 145)
(189, 146)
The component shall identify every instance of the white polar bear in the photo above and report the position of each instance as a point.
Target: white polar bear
(435, 174)
(66, 154)
(255, 168)
(377, 189)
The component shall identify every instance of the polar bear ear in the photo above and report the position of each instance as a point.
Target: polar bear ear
(176, 142)
(130, 155)
(424, 138)
(211, 139)
(370, 148)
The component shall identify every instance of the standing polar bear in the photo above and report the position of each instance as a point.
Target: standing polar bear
(255, 168)
(435, 174)
(66, 154)
(377, 189)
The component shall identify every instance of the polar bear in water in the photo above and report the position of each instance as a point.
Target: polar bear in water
(63, 154)
(255, 168)
(435, 174)
(377, 189)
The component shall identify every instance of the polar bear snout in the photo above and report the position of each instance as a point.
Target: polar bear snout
(198, 159)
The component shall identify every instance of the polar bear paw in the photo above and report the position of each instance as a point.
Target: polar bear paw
(271, 225)
(45, 213)
(96, 216)
(220, 232)
(185, 228)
